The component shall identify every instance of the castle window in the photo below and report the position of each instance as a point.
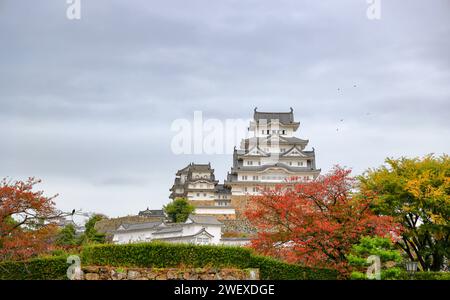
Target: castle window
(198, 194)
(245, 189)
(244, 177)
(268, 131)
(255, 177)
(284, 131)
(202, 241)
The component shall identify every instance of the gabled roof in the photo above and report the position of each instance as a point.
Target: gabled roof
(202, 231)
(294, 149)
(169, 229)
(252, 142)
(278, 165)
(139, 226)
(152, 212)
(206, 220)
(196, 167)
(282, 117)
(259, 152)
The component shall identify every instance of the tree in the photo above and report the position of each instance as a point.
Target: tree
(416, 192)
(26, 219)
(67, 236)
(389, 256)
(91, 235)
(179, 210)
(315, 223)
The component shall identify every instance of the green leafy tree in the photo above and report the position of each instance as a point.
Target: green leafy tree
(389, 256)
(417, 193)
(179, 210)
(91, 235)
(67, 236)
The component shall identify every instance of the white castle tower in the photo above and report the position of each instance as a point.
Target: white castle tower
(272, 155)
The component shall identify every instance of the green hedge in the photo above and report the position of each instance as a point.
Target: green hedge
(432, 276)
(163, 255)
(398, 274)
(270, 268)
(35, 269)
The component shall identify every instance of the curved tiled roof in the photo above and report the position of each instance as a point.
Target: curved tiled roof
(207, 220)
(282, 117)
(276, 165)
(141, 226)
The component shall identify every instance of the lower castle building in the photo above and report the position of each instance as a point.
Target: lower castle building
(197, 184)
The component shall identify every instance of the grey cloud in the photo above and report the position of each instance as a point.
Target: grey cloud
(89, 103)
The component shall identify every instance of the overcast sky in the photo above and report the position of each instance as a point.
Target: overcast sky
(87, 105)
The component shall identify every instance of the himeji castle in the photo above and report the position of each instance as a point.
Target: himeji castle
(272, 155)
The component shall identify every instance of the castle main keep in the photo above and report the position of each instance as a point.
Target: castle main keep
(272, 155)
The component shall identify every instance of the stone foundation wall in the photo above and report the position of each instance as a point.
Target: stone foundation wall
(237, 226)
(240, 204)
(116, 273)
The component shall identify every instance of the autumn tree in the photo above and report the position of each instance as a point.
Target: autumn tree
(389, 255)
(26, 219)
(178, 210)
(416, 192)
(91, 235)
(67, 236)
(315, 223)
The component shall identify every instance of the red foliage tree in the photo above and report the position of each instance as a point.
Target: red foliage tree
(315, 223)
(26, 220)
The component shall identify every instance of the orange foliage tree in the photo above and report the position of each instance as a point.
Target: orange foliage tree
(315, 223)
(26, 220)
